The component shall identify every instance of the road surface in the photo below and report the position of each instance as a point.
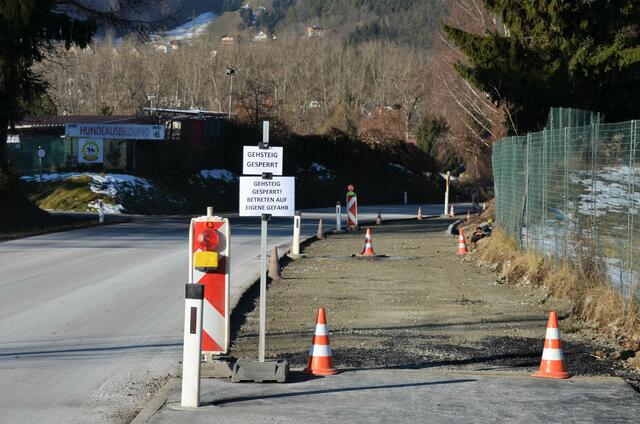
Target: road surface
(91, 319)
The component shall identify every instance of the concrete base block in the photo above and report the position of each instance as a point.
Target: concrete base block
(217, 368)
(294, 257)
(259, 372)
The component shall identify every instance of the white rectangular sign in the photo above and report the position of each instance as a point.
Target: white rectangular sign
(90, 150)
(275, 196)
(256, 161)
(116, 131)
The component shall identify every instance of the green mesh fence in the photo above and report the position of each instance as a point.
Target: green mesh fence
(570, 191)
(24, 155)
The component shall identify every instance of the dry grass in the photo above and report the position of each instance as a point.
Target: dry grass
(584, 283)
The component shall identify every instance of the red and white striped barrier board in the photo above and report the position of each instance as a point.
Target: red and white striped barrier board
(352, 208)
(212, 234)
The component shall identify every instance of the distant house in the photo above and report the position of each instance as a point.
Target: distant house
(261, 36)
(314, 31)
(227, 40)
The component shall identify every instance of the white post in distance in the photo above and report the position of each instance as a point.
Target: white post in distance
(295, 246)
(338, 217)
(405, 198)
(446, 194)
(192, 347)
(100, 211)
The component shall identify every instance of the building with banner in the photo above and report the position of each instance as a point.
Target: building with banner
(153, 143)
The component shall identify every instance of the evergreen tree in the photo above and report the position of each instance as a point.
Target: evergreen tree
(29, 30)
(583, 54)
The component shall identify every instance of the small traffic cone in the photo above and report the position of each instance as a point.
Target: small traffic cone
(462, 245)
(379, 218)
(552, 363)
(320, 359)
(274, 265)
(452, 212)
(320, 232)
(468, 215)
(419, 213)
(368, 244)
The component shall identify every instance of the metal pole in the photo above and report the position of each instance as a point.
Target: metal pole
(40, 162)
(263, 286)
(230, 94)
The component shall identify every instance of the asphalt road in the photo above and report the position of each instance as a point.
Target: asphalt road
(91, 319)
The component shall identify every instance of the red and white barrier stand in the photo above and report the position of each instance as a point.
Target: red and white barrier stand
(192, 347)
(352, 208)
(209, 239)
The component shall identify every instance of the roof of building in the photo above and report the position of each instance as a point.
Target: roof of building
(61, 120)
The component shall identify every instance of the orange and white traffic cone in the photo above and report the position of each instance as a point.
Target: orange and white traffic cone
(420, 214)
(320, 359)
(368, 244)
(552, 363)
(462, 245)
(452, 212)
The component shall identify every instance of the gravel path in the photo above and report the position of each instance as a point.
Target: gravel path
(423, 307)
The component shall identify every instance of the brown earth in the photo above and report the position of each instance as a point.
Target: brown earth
(423, 306)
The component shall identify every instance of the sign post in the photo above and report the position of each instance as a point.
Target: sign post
(41, 155)
(265, 196)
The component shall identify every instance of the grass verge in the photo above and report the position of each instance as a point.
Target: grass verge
(595, 301)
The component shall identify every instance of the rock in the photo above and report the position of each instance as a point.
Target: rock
(631, 345)
(600, 355)
(623, 355)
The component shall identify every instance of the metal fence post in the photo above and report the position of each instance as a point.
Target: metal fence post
(632, 176)
(544, 184)
(566, 190)
(527, 190)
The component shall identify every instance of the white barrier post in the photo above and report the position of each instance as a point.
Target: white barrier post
(446, 194)
(405, 198)
(191, 353)
(100, 211)
(295, 246)
(338, 217)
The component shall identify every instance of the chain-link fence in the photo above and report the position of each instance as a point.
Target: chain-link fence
(571, 190)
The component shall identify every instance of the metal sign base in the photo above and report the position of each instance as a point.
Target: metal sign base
(260, 372)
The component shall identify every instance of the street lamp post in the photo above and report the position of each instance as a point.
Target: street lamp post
(230, 71)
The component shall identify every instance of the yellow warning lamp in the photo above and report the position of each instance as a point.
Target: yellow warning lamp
(206, 257)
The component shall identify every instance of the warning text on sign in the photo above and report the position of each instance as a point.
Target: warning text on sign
(260, 196)
(256, 161)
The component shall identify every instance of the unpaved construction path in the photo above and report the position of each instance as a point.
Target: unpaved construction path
(423, 307)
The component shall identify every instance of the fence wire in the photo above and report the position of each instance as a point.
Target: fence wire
(572, 190)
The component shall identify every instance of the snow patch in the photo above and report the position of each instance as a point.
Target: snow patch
(400, 167)
(219, 174)
(326, 174)
(111, 185)
(196, 26)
